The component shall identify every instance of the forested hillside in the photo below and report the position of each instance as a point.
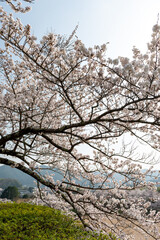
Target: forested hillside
(21, 177)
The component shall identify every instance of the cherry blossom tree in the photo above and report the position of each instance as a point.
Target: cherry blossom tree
(66, 108)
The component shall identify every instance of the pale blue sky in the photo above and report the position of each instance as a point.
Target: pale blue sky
(123, 23)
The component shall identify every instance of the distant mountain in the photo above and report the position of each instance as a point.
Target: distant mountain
(21, 177)
(7, 182)
(13, 173)
(24, 179)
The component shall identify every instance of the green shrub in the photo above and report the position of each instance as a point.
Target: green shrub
(30, 222)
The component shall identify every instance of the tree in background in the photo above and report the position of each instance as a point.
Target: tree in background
(10, 192)
(69, 108)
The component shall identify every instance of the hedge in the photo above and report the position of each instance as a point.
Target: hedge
(25, 221)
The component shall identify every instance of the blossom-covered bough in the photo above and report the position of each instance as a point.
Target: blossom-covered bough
(66, 108)
(16, 5)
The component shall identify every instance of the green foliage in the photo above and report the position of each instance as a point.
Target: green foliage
(158, 189)
(10, 192)
(25, 196)
(30, 222)
(6, 182)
